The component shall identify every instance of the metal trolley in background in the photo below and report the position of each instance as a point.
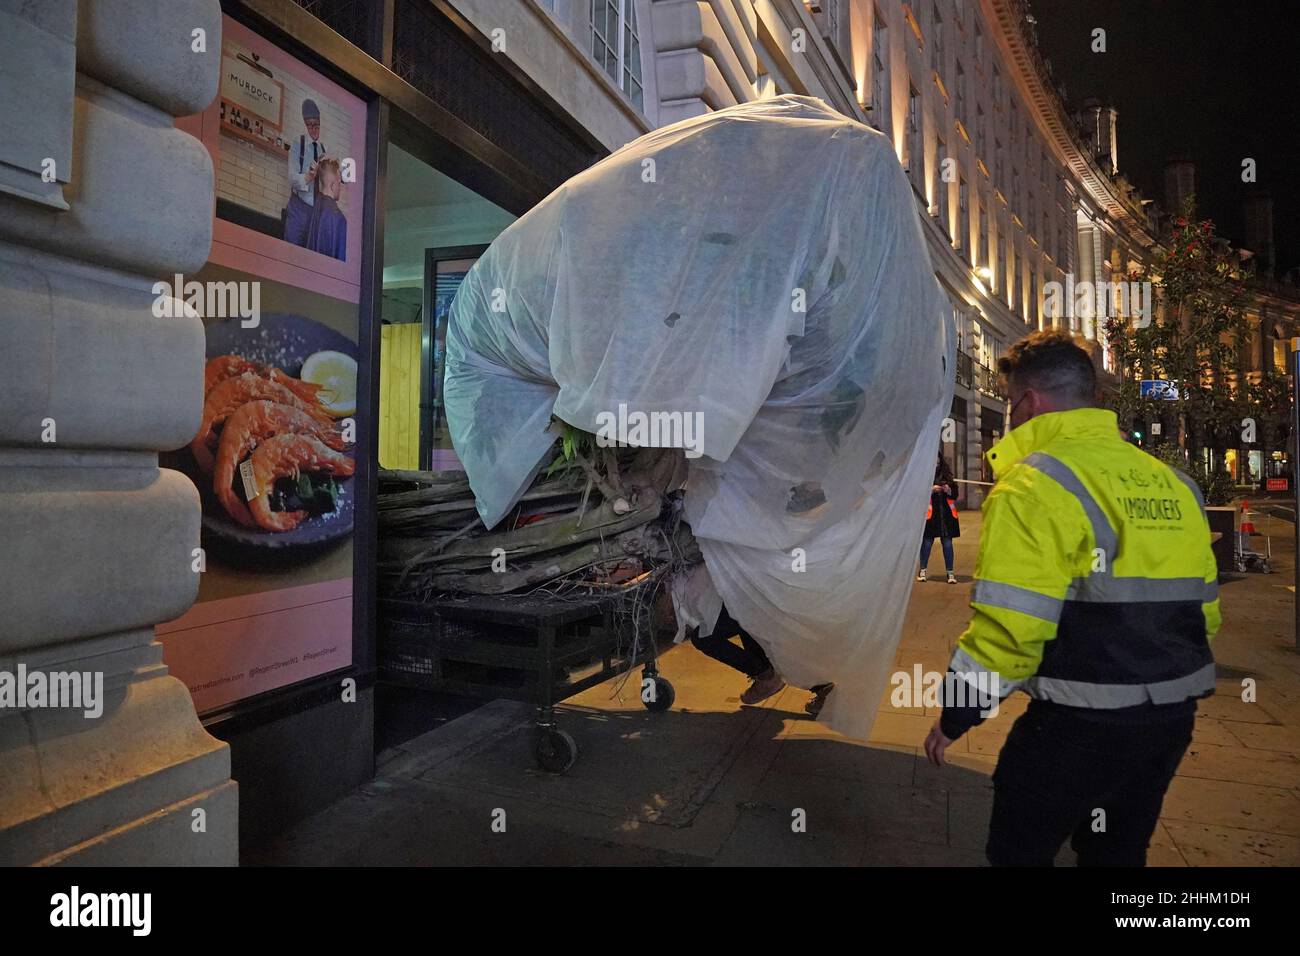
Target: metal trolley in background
(542, 648)
(1244, 556)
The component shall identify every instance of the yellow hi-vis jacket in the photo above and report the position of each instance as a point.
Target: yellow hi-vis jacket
(1095, 585)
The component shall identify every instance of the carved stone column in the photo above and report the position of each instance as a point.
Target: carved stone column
(100, 196)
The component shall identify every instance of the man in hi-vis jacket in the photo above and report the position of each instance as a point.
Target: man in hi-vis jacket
(1097, 594)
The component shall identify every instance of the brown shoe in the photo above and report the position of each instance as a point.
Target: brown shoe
(763, 687)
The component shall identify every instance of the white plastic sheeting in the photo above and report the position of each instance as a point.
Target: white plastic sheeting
(764, 267)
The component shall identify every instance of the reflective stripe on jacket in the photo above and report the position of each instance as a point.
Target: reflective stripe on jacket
(1095, 585)
(929, 509)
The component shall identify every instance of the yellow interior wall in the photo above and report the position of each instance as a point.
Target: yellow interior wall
(399, 396)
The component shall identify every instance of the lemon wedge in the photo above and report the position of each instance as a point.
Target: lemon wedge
(336, 374)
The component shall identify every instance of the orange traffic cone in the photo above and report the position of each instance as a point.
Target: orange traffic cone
(1247, 525)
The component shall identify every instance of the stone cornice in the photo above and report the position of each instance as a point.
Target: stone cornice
(1007, 17)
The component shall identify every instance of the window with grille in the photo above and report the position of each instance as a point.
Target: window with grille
(879, 74)
(982, 240)
(937, 48)
(963, 219)
(961, 93)
(1002, 259)
(616, 45)
(914, 158)
(350, 19)
(1013, 269)
(834, 22)
(941, 187)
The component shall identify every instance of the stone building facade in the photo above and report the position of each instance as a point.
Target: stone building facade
(99, 196)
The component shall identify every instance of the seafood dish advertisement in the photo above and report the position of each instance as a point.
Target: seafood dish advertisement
(274, 455)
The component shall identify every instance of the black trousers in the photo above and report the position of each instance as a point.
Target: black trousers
(1101, 783)
(747, 657)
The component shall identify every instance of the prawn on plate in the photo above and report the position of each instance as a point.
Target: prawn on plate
(226, 397)
(250, 424)
(287, 456)
(231, 366)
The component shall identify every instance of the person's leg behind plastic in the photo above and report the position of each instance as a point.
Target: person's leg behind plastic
(749, 658)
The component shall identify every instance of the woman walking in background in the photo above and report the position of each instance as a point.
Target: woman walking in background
(940, 519)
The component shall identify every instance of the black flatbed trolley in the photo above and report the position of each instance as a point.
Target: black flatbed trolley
(541, 648)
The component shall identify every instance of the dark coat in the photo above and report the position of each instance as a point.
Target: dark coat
(942, 520)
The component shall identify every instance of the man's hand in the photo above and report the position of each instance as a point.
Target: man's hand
(935, 744)
(311, 171)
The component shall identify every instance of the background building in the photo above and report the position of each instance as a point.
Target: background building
(1012, 196)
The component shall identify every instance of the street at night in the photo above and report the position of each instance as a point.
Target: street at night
(548, 435)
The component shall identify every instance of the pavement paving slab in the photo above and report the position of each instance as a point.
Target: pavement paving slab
(713, 782)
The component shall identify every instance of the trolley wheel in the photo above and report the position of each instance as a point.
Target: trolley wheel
(663, 697)
(1266, 567)
(557, 751)
(1240, 565)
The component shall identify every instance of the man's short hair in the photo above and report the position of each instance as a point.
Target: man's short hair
(1051, 361)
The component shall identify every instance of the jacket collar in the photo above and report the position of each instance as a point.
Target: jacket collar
(1042, 429)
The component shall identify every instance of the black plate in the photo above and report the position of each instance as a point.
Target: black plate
(285, 341)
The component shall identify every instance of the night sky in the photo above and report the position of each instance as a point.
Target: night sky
(1214, 80)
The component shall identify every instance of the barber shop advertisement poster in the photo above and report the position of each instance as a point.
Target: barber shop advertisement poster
(288, 149)
(274, 456)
